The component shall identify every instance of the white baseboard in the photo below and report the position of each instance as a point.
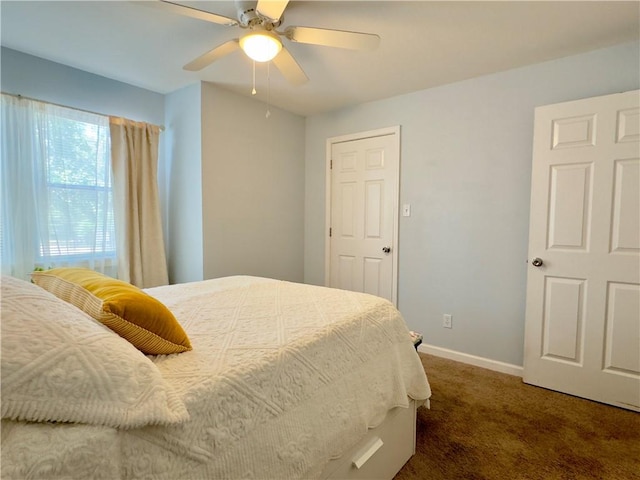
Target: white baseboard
(471, 359)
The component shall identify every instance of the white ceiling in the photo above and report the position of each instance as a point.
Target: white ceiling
(423, 43)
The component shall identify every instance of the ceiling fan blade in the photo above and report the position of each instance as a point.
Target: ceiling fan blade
(212, 55)
(272, 9)
(289, 68)
(333, 38)
(192, 12)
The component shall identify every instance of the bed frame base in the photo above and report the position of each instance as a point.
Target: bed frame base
(382, 453)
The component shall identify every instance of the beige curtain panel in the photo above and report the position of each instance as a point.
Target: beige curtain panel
(134, 162)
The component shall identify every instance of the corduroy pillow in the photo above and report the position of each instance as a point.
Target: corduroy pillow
(131, 313)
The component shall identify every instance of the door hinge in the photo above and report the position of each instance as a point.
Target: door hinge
(329, 231)
(331, 164)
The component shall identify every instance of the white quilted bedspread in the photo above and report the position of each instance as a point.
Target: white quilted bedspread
(282, 377)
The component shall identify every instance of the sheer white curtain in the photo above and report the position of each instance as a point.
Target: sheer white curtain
(56, 189)
(134, 160)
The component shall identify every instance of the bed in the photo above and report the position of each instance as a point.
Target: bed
(280, 380)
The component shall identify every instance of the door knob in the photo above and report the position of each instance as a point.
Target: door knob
(386, 249)
(537, 262)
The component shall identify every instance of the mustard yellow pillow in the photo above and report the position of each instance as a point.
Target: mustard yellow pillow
(124, 308)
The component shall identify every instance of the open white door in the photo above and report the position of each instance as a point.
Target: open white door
(362, 182)
(582, 333)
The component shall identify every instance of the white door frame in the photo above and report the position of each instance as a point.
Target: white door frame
(395, 130)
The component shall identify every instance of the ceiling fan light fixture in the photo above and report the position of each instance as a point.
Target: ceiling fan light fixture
(261, 46)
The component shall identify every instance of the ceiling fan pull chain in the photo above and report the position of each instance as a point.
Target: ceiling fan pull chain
(268, 89)
(253, 92)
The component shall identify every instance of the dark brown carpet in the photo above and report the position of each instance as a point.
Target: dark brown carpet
(487, 425)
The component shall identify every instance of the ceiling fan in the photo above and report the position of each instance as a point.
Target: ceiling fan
(262, 41)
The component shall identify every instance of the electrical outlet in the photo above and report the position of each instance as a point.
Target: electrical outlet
(447, 321)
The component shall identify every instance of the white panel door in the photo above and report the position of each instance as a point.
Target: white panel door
(582, 332)
(363, 214)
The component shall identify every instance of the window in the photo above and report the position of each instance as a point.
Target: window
(56, 188)
(80, 210)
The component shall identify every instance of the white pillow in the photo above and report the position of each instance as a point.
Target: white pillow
(58, 364)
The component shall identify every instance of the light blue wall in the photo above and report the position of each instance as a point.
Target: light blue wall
(41, 79)
(253, 187)
(235, 187)
(465, 169)
(183, 189)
